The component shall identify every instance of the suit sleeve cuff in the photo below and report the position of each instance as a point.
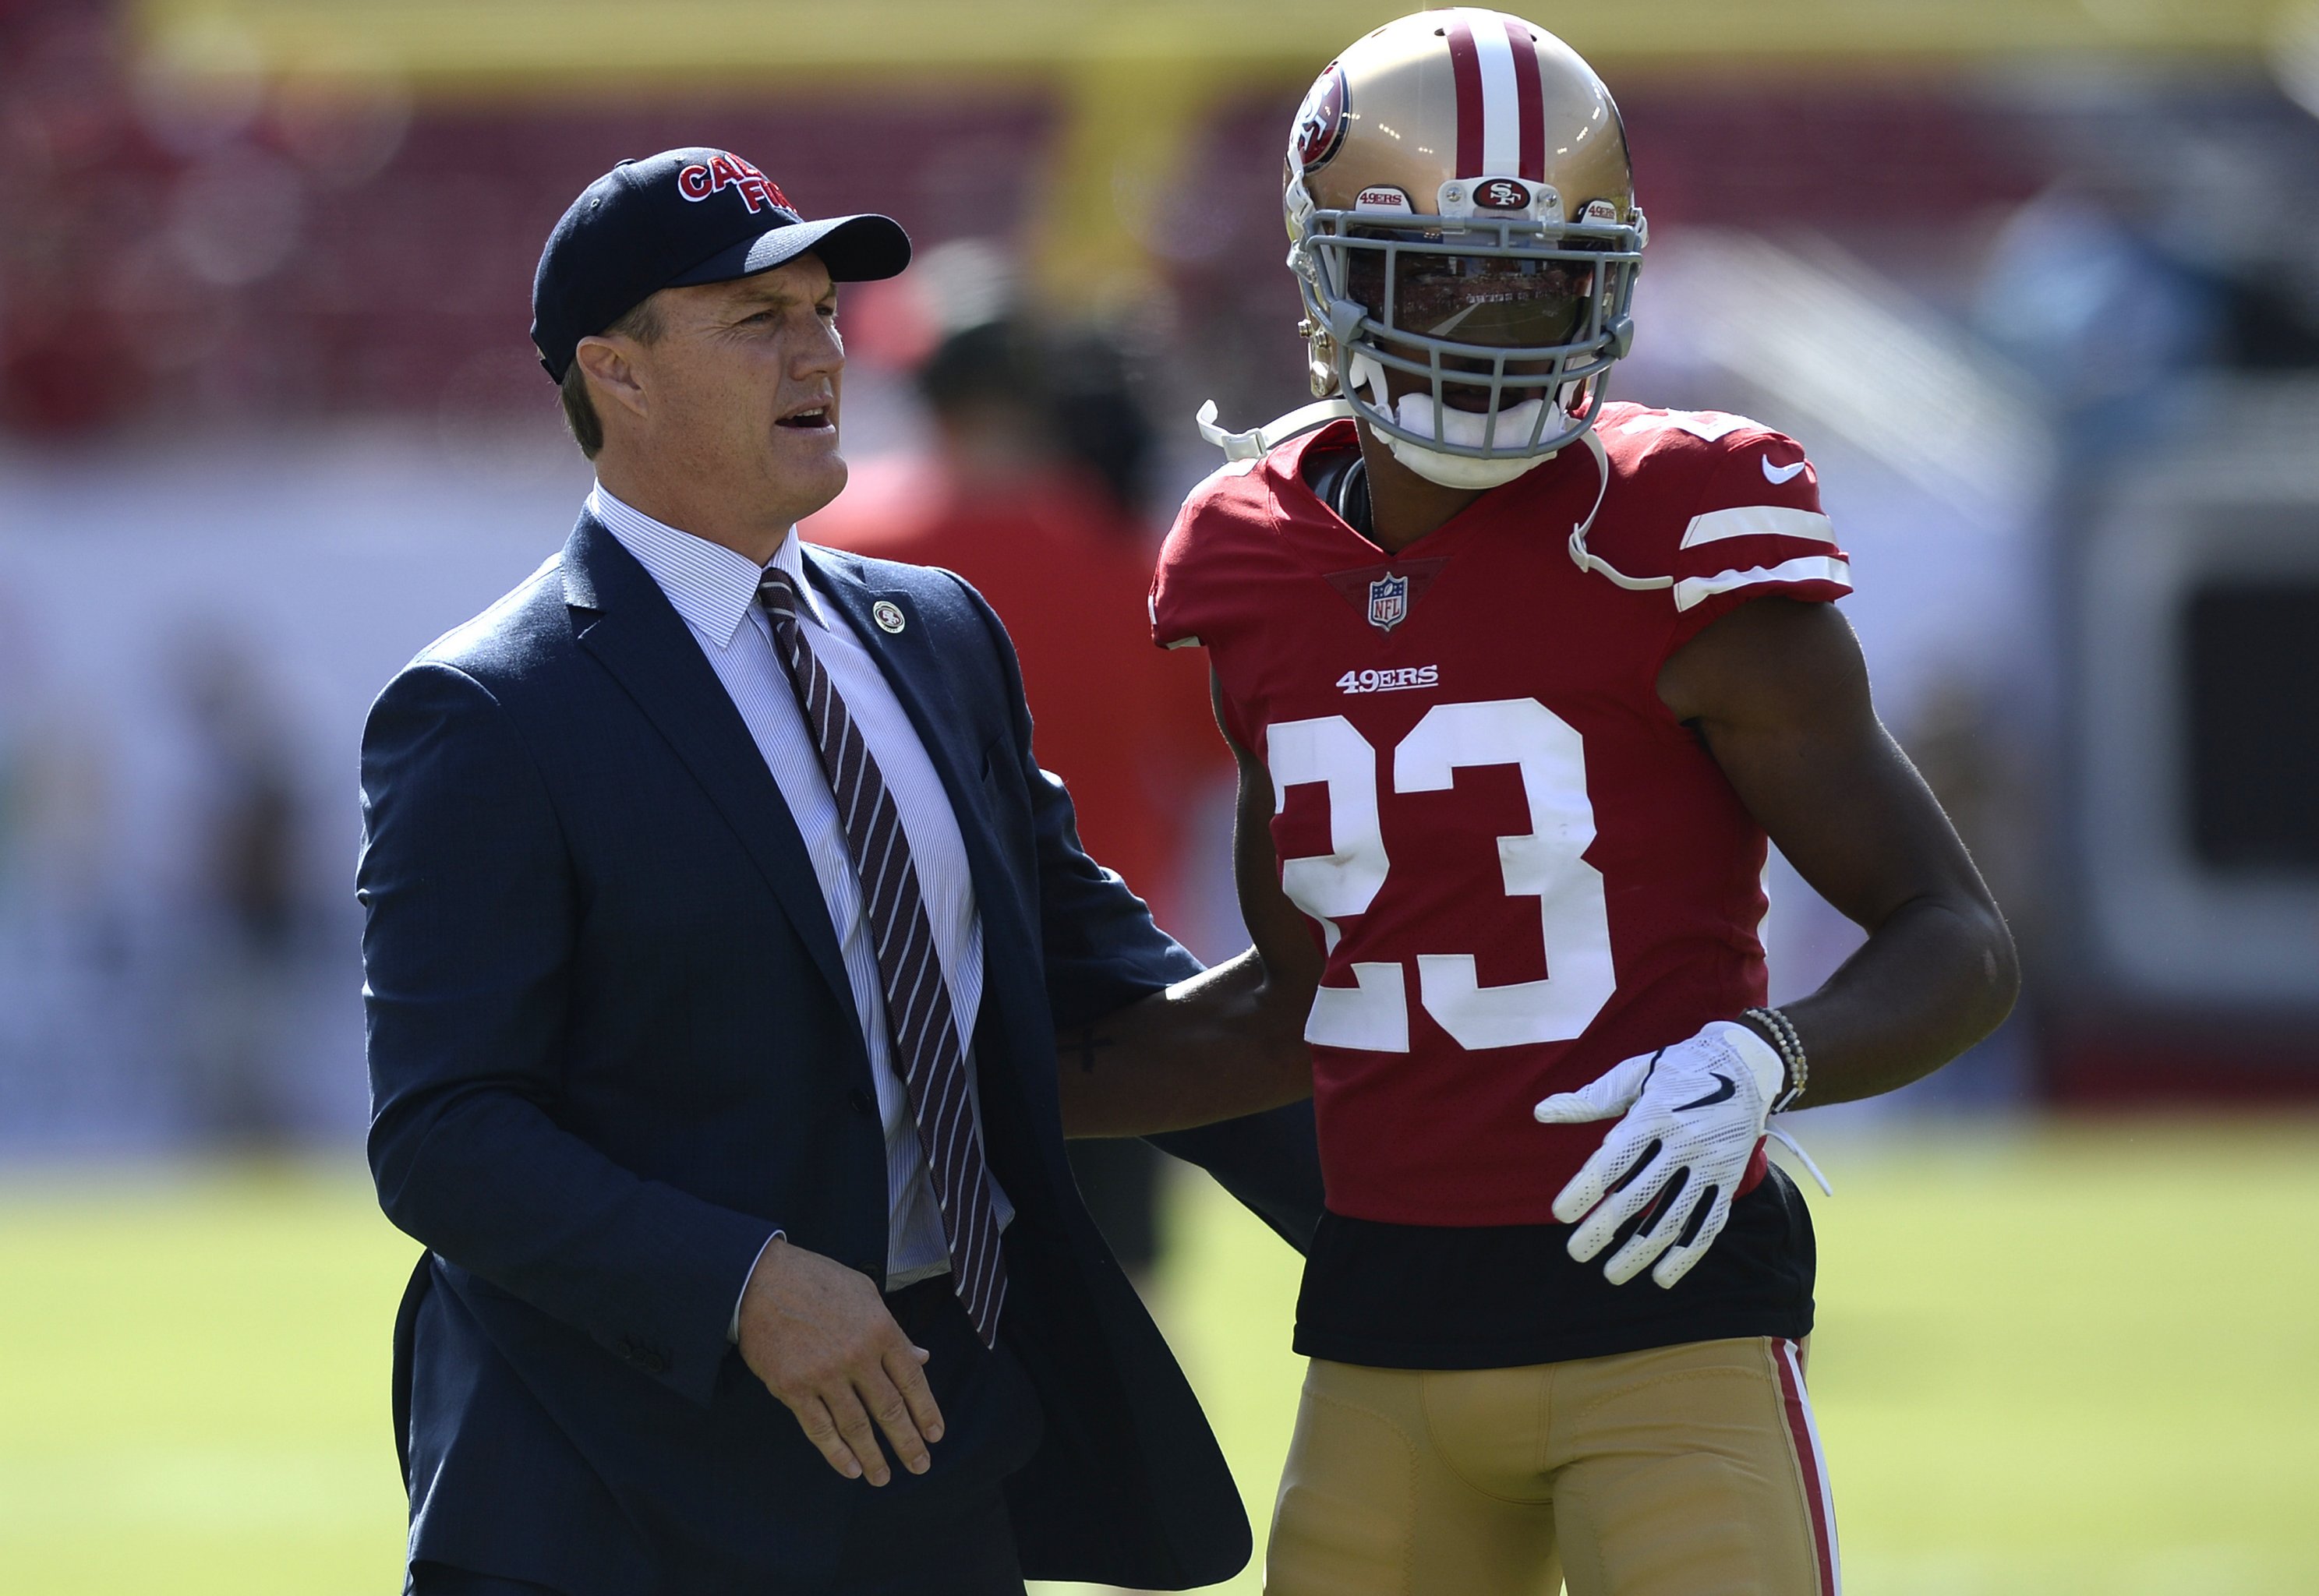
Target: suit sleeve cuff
(733, 1331)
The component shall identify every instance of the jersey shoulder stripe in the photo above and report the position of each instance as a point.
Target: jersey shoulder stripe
(1801, 572)
(1758, 520)
(1712, 503)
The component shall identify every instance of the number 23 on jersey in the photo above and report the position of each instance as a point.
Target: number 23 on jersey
(1544, 863)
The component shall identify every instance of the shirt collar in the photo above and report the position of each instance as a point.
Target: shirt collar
(791, 557)
(711, 586)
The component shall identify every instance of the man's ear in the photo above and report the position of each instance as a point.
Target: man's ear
(612, 372)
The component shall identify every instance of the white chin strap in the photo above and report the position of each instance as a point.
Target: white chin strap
(1419, 412)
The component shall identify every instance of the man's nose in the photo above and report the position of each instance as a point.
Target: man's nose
(823, 353)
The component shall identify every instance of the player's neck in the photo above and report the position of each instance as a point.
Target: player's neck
(1404, 507)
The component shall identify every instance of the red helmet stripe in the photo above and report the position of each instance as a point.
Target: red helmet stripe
(1465, 70)
(1529, 89)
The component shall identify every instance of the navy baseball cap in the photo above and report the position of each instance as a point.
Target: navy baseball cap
(678, 218)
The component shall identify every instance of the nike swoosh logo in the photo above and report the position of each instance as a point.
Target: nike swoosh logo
(1776, 474)
(1722, 1093)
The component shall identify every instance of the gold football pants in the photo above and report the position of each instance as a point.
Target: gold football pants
(1691, 1470)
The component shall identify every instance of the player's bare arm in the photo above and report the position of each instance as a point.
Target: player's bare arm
(1227, 1042)
(1779, 693)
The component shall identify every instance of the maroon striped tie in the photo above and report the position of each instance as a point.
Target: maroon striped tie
(919, 1016)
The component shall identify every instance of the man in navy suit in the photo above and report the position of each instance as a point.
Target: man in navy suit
(720, 928)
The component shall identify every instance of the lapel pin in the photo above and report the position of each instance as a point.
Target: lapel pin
(887, 615)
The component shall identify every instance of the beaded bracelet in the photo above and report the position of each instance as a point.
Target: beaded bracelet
(1790, 1048)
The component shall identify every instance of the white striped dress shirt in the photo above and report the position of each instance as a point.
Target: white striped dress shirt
(715, 590)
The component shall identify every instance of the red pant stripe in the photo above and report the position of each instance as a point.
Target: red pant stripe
(1811, 1462)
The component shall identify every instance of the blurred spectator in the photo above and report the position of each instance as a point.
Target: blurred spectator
(1031, 495)
(75, 1024)
(248, 972)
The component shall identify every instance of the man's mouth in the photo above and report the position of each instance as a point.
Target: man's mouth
(815, 419)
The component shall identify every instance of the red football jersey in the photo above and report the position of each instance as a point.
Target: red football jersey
(1520, 867)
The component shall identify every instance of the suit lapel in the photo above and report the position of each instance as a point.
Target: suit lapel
(627, 623)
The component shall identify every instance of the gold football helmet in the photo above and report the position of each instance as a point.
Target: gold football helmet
(1463, 227)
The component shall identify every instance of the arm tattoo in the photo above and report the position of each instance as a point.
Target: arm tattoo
(1084, 1042)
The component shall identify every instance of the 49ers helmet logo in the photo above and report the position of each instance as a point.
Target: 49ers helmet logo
(722, 171)
(1320, 122)
(1501, 193)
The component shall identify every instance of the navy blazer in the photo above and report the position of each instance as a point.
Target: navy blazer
(612, 1047)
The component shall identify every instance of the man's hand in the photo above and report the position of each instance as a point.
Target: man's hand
(1693, 1115)
(818, 1335)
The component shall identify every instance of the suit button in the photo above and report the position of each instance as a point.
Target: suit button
(862, 1104)
(650, 1359)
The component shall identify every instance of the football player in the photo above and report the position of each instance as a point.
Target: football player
(1519, 679)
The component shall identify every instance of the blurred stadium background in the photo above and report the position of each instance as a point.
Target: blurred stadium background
(2037, 281)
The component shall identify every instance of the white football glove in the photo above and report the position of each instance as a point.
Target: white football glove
(1694, 1112)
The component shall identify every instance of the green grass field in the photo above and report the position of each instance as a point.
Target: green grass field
(2069, 1361)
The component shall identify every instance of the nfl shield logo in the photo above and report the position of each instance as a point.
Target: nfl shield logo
(1388, 602)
